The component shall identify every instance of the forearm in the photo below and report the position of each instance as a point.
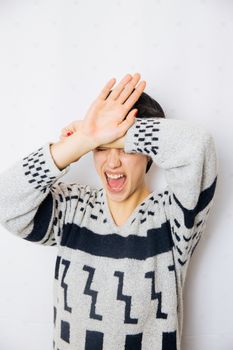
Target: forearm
(28, 182)
(185, 150)
(71, 149)
(118, 143)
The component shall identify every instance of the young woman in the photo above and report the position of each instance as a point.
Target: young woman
(123, 251)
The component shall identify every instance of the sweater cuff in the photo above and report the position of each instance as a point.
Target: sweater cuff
(40, 168)
(143, 137)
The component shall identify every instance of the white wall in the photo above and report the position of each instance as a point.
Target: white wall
(55, 56)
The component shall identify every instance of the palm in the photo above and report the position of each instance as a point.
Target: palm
(102, 120)
(110, 115)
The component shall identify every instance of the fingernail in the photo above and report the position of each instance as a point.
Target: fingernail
(69, 133)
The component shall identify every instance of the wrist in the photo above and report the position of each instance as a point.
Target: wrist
(118, 143)
(71, 149)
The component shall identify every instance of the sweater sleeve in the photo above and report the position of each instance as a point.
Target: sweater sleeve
(33, 205)
(186, 152)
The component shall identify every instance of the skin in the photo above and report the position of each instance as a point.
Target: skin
(104, 128)
(112, 157)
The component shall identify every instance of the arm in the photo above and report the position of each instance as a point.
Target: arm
(186, 152)
(32, 205)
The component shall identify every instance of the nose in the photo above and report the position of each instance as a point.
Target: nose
(113, 158)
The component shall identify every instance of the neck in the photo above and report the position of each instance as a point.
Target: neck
(122, 210)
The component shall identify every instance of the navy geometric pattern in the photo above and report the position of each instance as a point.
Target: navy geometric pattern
(36, 171)
(123, 283)
(177, 235)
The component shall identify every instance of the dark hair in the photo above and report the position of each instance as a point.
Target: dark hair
(148, 108)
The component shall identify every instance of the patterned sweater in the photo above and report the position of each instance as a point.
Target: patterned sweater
(117, 287)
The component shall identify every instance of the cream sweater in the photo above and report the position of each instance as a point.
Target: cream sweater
(117, 288)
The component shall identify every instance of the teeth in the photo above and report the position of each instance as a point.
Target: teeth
(114, 176)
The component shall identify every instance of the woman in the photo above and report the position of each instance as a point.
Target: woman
(123, 251)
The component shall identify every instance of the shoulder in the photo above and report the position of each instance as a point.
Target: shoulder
(74, 189)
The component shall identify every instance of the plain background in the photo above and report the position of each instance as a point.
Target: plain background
(55, 57)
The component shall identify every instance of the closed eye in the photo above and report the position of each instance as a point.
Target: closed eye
(104, 149)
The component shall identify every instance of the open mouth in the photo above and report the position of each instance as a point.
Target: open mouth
(115, 184)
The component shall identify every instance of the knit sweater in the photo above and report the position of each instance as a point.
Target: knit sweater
(117, 287)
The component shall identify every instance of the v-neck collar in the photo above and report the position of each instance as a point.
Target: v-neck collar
(110, 219)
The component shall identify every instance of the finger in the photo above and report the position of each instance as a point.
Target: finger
(105, 91)
(69, 133)
(64, 130)
(120, 86)
(127, 122)
(129, 87)
(70, 126)
(68, 129)
(135, 95)
(66, 133)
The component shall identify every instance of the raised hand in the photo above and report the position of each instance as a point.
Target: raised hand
(108, 118)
